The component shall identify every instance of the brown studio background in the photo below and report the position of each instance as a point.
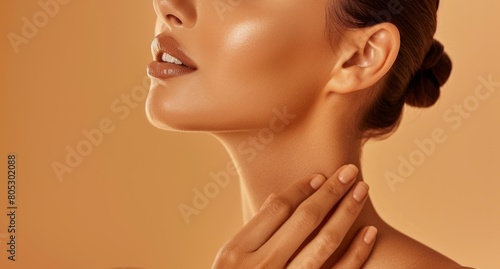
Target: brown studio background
(119, 206)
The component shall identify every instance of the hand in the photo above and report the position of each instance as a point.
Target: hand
(273, 238)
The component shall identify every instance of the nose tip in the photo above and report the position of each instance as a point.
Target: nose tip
(176, 13)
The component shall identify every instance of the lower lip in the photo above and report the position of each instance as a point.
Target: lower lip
(164, 70)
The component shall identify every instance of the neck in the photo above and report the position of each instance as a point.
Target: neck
(294, 149)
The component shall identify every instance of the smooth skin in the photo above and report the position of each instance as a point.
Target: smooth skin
(284, 100)
(265, 241)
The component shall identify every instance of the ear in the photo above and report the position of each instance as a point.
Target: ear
(367, 55)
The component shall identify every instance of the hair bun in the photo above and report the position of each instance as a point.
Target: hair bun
(424, 88)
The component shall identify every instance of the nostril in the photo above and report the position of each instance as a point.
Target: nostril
(174, 19)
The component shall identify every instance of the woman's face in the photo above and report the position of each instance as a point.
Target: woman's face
(252, 56)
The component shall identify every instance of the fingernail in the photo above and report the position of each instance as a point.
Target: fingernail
(360, 191)
(348, 173)
(317, 181)
(370, 235)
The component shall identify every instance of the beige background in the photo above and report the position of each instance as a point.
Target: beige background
(119, 206)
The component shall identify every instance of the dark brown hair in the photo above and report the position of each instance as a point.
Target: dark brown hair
(421, 67)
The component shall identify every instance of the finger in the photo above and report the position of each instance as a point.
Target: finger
(310, 213)
(359, 250)
(332, 233)
(274, 212)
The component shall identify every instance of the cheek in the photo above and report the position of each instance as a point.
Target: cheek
(260, 66)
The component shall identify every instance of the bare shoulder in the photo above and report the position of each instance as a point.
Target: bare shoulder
(396, 250)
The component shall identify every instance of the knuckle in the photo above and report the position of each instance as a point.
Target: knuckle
(327, 244)
(309, 262)
(308, 215)
(278, 205)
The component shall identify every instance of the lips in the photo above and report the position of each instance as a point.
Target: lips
(170, 60)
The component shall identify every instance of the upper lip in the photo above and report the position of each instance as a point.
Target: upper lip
(167, 44)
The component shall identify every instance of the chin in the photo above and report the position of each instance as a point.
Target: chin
(167, 121)
(180, 122)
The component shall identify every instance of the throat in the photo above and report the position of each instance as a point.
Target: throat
(317, 142)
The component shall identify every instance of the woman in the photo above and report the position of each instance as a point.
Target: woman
(294, 90)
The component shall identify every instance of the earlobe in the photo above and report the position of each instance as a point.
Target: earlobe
(368, 60)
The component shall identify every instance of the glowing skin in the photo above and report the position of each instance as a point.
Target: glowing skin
(263, 57)
(253, 60)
